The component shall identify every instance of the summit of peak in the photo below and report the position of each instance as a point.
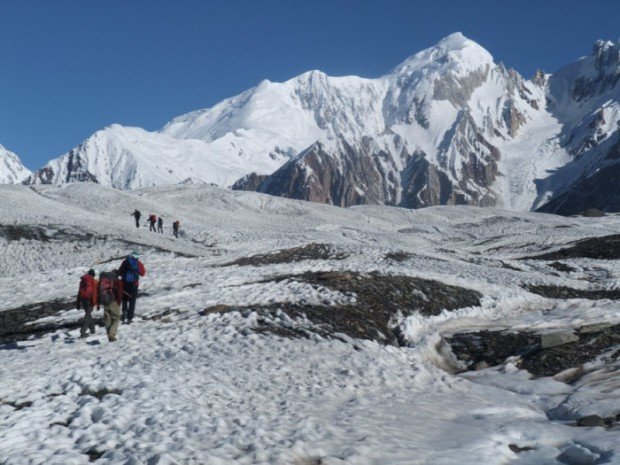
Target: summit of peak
(455, 41)
(454, 52)
(312, 74)
(602, 45)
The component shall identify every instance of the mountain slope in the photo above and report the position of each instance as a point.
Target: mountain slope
(128, 158)
(12, 170)
(585, 97)
(443, 114)
(446, 126)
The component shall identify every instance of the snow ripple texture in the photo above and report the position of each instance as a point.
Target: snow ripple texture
(191, 389)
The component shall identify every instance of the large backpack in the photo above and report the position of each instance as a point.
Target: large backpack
(132, 271)
(87, 287)
(106, 287)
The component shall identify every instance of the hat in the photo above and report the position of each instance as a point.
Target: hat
(91, 272)
(135, 254)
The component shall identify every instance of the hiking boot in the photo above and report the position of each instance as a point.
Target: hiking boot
(111, 338)
(83, 336)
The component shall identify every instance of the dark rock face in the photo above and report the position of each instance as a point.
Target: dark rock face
(606, 57)
(354, 178)
(44, 175)
(249, 182)
(425, 185)
(367, 174)
(377, 302)
(458, 90)
(76, 172)
(599, 191)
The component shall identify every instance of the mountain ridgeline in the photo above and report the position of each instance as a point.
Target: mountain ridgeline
(449, 125)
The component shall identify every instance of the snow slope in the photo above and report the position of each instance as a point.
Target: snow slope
(12, 170)
(185, 388)
(127, 158)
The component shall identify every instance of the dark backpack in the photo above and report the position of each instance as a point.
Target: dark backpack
(106, 288)
(87, 287)
(132, 271)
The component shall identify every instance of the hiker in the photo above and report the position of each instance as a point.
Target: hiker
(152, 220)
(130, 271)
(110, 296)
(136, 214)
(160, 225)
(87, 299)
(175, 228)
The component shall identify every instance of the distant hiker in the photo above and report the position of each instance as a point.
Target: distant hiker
(110, 296)
(130, 271)
(136, 214)
(175, 228)
(160, 225)
(87, 299)
(152, 220)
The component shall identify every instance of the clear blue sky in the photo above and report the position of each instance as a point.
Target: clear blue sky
(71, 67)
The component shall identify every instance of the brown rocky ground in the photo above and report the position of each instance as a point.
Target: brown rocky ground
(490, 348)
(379, 300)
(311, 251)
(601, 248)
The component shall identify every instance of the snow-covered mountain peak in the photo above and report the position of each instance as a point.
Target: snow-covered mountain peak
(595, 77)
(448, 125)
(12, 171)
(601, 46)
(454, 53)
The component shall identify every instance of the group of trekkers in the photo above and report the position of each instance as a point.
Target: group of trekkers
(154, 220)
(115, 290)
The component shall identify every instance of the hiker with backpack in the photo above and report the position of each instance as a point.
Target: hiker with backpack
(175, 228)
(130, 271)
(136, 214)
(87, 299)
(160, 225)
(110, 296)
(152, 220)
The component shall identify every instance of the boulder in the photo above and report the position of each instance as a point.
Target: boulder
(557, 338)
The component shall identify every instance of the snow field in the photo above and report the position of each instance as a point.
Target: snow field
(210, 389)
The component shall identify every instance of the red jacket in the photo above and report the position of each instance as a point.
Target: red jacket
(93, 285)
